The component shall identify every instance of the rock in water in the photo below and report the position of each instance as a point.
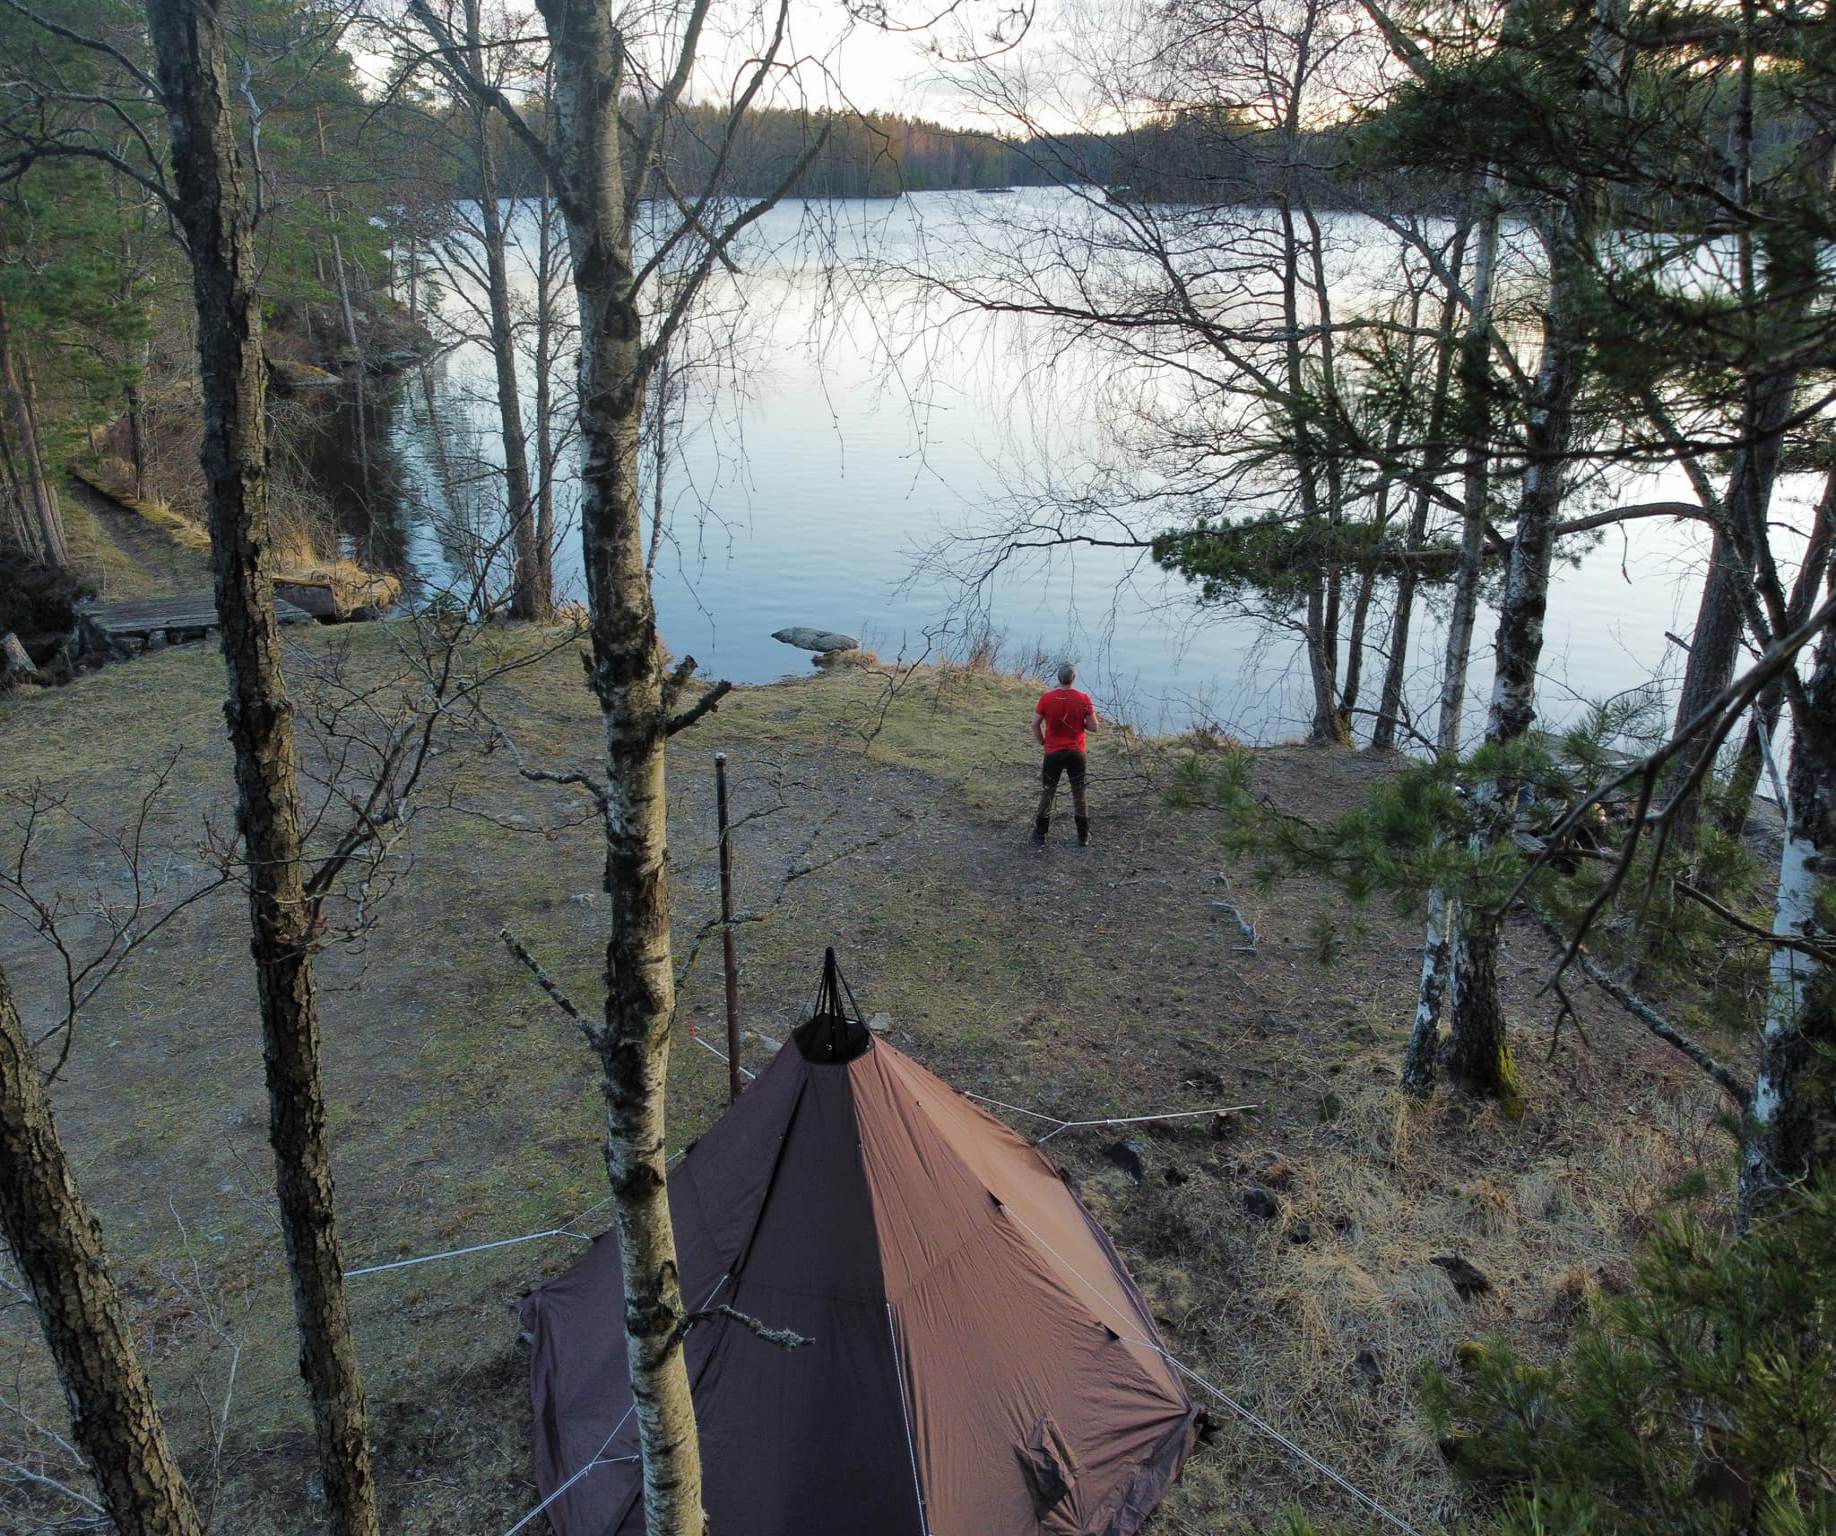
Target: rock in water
(815, 639)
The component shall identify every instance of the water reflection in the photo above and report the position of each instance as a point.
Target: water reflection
(831, 430)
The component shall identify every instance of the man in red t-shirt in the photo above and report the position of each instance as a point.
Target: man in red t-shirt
(1060, 719)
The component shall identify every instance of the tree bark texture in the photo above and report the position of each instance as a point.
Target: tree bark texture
(188, 40)
(57, 1245)
(1791, 1128)
(1474, 363)
(627, 678)
(1478, 1055)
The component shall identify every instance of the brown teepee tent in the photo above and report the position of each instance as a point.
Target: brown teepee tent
(980, 1365)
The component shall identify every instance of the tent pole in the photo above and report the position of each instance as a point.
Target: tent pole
(729, 961)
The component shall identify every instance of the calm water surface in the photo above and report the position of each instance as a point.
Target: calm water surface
(861, 425)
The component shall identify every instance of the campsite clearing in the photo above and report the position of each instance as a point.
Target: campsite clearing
(1286, 1252)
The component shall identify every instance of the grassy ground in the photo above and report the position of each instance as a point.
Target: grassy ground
(1078, 983)
(123, 556)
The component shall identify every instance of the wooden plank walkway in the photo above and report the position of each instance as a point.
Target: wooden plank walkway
(184, 611)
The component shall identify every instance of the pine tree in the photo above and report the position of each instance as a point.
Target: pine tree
(1702, 1402)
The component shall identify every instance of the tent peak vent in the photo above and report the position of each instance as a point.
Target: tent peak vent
(834, 1033)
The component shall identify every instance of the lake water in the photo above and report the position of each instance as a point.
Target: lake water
(858, 421)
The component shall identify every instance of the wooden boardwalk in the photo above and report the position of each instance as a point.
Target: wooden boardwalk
(184, 615)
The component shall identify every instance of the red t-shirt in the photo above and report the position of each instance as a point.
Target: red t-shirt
(1064, 711)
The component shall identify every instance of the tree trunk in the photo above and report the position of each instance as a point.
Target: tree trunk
(1475, 392)
(1354, 644)
(57, 1245)
(1390, 697)
(188, 39)
(1478, 1057)
(42, 512)
(1721, 618)
(1791, 1131)
(1763, 722)
(22, 525)
(1791, 281)
(1420, 1057)
(137, 438)
(542, 555)
(627, 678)
(1478, 1054)
(525, 597)
(1475, 396)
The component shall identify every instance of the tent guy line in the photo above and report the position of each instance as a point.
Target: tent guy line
(1248, 1416)
(457, 1253)
(911, 1446)
(1051, 1120)
(1074, 1125)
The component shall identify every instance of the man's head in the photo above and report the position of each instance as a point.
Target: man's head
(1067, 675)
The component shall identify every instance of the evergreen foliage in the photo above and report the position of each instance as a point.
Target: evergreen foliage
(1415, 833)
(1702, 1402)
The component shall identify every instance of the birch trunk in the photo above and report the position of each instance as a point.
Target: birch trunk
(1420, 1056)
(57, 1245)
(188, 41)
(627, 678)
(1791, 1131)
(1478, 1053)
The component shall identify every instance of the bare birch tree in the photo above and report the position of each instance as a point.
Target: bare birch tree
(618, 80)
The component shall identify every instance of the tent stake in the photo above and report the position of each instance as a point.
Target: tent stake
(729, 961)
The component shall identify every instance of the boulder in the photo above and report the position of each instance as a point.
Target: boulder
(818, 640)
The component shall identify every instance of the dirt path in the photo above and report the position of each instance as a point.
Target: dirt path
(122, 555)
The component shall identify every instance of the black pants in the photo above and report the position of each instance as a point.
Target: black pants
(1055, 765)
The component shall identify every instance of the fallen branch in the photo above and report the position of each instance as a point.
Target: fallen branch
(1248, 928)
(1654, 1021)
(1724, 1077)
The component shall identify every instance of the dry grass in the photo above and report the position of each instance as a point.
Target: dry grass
(1080, 984)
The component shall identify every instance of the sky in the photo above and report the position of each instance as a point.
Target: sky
(870, 68)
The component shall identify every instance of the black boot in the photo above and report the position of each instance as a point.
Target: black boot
(1083, 831)
(1040, 823)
